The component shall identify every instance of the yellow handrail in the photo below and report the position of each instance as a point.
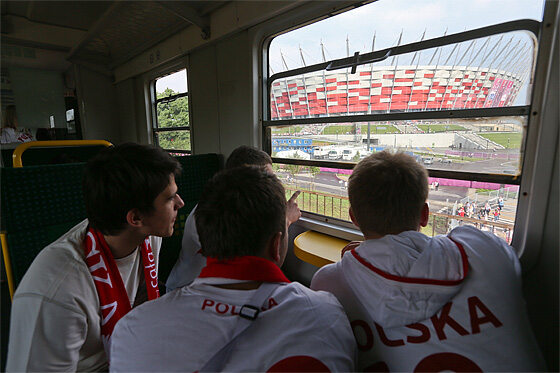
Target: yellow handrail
(16, 156)
(7, 263)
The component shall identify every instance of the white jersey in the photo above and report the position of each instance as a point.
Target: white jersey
(11, 135)
(56, 320)
(418, 303)
(182, 330)
(190, 261)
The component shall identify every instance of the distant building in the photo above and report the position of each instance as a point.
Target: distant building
(487, 80)
(287, 143)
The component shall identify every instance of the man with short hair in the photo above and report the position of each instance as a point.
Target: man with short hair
(241, 313)
(191, 261)
(67, 304)
(419, 303)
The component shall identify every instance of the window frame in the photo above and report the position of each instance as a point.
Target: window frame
(339, 228)
(155, 129)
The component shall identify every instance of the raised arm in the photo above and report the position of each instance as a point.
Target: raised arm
(292, 211)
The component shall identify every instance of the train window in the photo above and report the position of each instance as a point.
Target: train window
(171, 127)
(457, 101)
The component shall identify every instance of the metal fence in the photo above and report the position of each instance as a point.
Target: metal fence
(439, 223)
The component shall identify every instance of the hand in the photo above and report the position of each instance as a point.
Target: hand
(292, 210)
(351, 245)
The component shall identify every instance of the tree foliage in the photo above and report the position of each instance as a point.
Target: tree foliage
(171, 114)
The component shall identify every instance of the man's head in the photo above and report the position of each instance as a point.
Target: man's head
(388, 194)
(131, 181)
(10, 117)
(242, 211)
(249, 156)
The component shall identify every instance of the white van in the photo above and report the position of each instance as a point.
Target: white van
(320, 153)
(428, 160)
(348, 154)
(334, 154)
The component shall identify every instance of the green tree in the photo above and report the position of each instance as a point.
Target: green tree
(294, 168)
(171, 114)
(314, 172)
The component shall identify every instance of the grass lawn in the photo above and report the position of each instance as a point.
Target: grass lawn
(290, 129)
(380, 128)
(323, 143)
(431, 128)
(502, 139)
(333, 130)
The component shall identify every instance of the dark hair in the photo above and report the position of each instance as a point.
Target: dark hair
(247, 155)
(387, 192)
(239, 212)
(121, 178)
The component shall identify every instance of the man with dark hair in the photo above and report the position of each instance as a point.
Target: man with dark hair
(241, 313)
(77, 288)
(247, 155)
(421, 303)
(191, 261)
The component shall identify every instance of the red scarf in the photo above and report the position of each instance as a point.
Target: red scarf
(249, 268)
(109, 284)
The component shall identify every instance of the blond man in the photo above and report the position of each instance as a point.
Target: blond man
(419, 303)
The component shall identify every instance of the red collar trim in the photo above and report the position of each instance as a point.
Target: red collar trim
(247, 268)
(413, 280)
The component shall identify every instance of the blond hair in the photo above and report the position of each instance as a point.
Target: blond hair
(10, 118)
(387, 192)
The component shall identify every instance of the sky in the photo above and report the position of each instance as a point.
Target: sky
(385, 18)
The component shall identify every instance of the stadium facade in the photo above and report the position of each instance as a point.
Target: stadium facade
(398, 88)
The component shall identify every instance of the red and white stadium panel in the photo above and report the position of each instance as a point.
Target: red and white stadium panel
(386, 89)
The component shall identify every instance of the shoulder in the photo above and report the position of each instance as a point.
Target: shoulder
(475, 238)
(323, 304)
(328, 277)
(59, 272)
(485, 244)
(135, 320)
(325, 273)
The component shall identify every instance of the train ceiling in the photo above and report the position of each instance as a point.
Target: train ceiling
(103, 33)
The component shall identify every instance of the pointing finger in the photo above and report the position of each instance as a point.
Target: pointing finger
(294, 196)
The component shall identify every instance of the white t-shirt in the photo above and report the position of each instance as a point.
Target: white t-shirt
(190, 261)
(55, 320)
(11, 135)
(183, 329)
(418, 303)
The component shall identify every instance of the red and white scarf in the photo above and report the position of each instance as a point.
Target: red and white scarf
(245, 268)
(113, 297)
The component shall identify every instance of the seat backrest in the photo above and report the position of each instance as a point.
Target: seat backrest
(55, 152)
(39, 156)
(40, 203)
(6, 155)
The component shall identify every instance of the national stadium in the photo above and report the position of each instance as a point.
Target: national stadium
(490, 75)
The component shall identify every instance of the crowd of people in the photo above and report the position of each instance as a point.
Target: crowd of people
(470, 210)
(397, 301)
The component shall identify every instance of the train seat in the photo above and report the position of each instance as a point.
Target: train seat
(40, 203)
